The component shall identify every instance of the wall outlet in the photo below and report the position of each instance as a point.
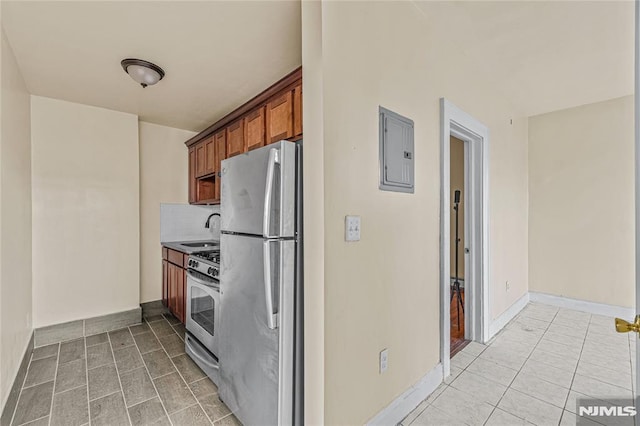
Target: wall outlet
(384, 360)
(507, 286)
(352, 228)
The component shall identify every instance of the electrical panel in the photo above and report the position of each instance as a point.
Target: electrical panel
(396, 152)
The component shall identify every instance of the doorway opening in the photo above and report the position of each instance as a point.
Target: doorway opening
(457, 174)
(461, 129)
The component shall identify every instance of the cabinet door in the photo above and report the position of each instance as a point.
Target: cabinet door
(254, 129)
(280, 117)
(165, 283)
(297, 110)
(221, 154)
(173, 291)
(210, 155)
(181, 305)
(192, 176)
(201, 159)
(235, 139)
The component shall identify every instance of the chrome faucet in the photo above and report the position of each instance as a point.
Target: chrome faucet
(208, 222)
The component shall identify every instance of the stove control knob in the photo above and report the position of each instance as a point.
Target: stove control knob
(190, 262)
(195, 263)
(210, 271)
(216, 272)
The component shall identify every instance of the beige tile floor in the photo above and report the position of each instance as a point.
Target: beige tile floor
(533, 371)
(138, 375)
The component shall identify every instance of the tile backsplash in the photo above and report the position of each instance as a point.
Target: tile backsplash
(185, 222)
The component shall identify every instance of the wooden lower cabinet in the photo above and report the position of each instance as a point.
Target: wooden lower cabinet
(174, 290)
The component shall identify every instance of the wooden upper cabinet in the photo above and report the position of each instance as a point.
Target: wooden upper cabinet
(254, 128)
(297, 110)
(192, 175)
(201, 159)
(210, 156)
(280, 117)
(235, 139)
(221, 153)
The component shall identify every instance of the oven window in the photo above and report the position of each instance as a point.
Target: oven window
(202, 309)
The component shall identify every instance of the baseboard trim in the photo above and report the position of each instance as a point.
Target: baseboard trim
(582, 305)
(504, 318)
(409, 400)
(9, 406)
(86, 327)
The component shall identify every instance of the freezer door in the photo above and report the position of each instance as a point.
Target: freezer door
(258, 192)
(256, 329)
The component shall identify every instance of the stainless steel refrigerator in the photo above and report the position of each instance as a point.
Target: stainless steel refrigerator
(260, 340)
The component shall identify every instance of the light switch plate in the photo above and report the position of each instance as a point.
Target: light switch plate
(384, 360)
(352, 228)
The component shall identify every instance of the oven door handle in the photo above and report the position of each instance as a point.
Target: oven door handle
(202, 282)
(195, 350)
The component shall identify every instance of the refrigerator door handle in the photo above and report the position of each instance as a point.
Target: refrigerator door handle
(266, 214)
(272, 318)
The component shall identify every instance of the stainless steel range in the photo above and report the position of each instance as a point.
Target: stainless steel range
(203, 311)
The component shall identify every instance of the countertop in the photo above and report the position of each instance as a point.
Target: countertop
(181, 247)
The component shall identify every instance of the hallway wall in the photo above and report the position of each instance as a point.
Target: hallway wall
(581, 203)
(457, 183)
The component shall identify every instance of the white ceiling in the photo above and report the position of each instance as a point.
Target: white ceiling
(216, 55)
(544, 55)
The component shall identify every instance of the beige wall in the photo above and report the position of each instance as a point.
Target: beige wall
(15, 220)
(456, 175)
(164, 166)
(383, 291)
(86, 239)
(581, 203)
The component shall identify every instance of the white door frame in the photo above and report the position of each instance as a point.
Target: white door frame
(455, 122)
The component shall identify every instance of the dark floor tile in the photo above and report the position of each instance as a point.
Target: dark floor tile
(180, 329)
(44, 421)
(153, 318)
(172, 344)
(192, 416)
(171, 319)
(34, 403)
(188, 369)
(109, 411)
(230, 420)
(103, 381)
(71, 351)
(147, 412)
(146, 342)
(203, 387)
(137, 386)
(214, 408)
(174, 393)
(99, 355)
(71, 375)
(161, 328)
(97, 339)
(45, 351)
(70, 408)
(127, 359)
(158, 363)
(120, 338)
(140, 328)
(40, 371)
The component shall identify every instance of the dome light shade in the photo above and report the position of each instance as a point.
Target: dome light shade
(143, 72)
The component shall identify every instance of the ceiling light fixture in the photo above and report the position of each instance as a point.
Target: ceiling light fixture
(143, 72)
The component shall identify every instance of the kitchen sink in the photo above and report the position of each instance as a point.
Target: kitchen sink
(200, 245)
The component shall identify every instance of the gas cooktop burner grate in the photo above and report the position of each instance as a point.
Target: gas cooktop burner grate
(211, 256)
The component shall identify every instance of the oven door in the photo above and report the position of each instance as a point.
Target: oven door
(203, 298)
